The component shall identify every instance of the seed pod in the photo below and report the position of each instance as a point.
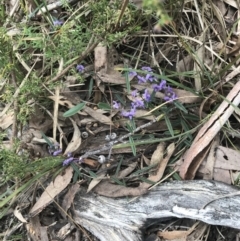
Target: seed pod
(101, 159)
(107, 138)
(113, 136)
(84, 134)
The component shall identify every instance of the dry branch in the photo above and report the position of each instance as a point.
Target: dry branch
(122, 219)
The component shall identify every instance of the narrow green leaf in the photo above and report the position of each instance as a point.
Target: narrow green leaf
(147, 180)
(119, 166)
(118, 181)
(186, 129)
(74, 110)
(104, 106)
(90, 88)
(180, 106)
(92, 174)
(46, 139)
(143, 170)
(133, 147)
(77, 172)
(127, 82)
(169, 125)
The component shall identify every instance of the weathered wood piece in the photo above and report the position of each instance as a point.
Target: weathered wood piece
(124, 218)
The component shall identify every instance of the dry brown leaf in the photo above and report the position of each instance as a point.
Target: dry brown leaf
(208, 132)
(163, 164)
(173, 235)
(186, 64)
(68, 198)
(18, 215)
(90, 162)
(111, 190)
(98, 116)
(36, 231)
(227, 158)
(112, 77)
(125, 172)
(53, 189)
(157, 155)
(98, 179)
(222, 176)
(143, 114)
(178, 235)
(209, 167)
(76, 139)
(157, 176)
(100, 57)
(6, 120)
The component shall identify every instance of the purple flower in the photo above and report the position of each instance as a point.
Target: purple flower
(116, 105)
(147, 68)
(150, 77)
(57, 152)
(141, 79)
(160, 86)
(80, 68)
(134, 93)
(170, 95)
(57, 23)
(155, 87)
(138, 103)
(67, 161)
(146, 96)
(130, 114)
(132, 73)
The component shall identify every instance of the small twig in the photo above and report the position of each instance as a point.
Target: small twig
(120, 139)
(15, 105)
(220, 197)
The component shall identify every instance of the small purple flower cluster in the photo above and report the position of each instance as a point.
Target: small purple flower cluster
(80, 68)
(69, 159)
(170, 95)
(57, 23)
(54, 149)
(139, 102)
(143, 79)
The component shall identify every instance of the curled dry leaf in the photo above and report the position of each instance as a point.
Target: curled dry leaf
(193, 156)
(157, 176)
(18, 215)
(53, 189)
(157, 155)
(76, 139)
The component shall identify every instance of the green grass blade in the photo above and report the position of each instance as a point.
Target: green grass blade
(133, 147)
(74, 110)
(169, 125)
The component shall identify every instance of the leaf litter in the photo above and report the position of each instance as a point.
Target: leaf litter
(199, 62)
